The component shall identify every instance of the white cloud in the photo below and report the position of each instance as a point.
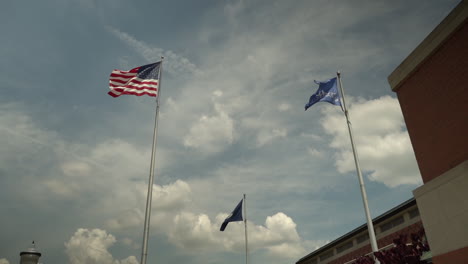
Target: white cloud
(312, 136)
(104, 171)
(4, 261)
(126, 219)
(173, 62)
(168, 200)
(91, 247)
(315, 153)
(284, 107)
(287, 250)
(128, 260)
(129, 242)
(91, 169)
(61, 188)
(267, 131)
(267, 136)
(20, 136)
(77, 168)
(174, 196)
(195, 233)
(280, 227)
(211, 134)
(383, 144)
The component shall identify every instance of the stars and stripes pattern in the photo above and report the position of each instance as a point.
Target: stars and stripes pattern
(138, 81)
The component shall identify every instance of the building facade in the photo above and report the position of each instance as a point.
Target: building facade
(432, 88)
(403, 219)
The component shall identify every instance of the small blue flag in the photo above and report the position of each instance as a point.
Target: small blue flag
(235, 216)
(327, 92)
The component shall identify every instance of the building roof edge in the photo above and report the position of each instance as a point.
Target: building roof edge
(451, 23)
(361, 228)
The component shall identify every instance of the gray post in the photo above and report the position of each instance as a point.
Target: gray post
(144, 250)
(245, 229)
(370, 226)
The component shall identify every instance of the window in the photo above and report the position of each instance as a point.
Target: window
(362, 238)
(344, 246)
(392, 223)
(329, 254)
(413, 213)
(313, 261)
(398, 221)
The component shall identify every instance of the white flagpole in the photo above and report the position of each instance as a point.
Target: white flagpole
(245, 229)
(144, 251)
(370, 226)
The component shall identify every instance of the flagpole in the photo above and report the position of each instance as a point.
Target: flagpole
(144, 251)
(245, 229)
(370, 226)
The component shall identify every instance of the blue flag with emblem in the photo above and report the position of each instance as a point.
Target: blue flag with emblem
(235, 216)
(327, 92)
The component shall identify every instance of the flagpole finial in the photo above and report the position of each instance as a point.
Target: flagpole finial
(162, 57)
(338, 73)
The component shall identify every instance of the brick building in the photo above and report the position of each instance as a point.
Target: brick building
(432, 87)
(403, 219)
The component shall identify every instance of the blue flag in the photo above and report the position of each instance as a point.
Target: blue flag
(327, 92)
(235, 216)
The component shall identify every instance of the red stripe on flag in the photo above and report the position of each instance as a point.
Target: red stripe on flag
(122, 75)
(113, 94)
(143, 82)
(140, 94)
(133, 87)
(131, 80)
(121, 89)
(120, 81)
(131, 93)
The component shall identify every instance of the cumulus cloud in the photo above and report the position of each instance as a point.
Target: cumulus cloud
(101, 169)
(91, 169)
(170, 199)
(193, 232)
(91, 247)
(4, 261)
(172, 196)
(196, 233)
(383, 144)
(96, 177)
(128, 218)
(211, 133)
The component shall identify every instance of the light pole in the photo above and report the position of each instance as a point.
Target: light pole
(30, 256)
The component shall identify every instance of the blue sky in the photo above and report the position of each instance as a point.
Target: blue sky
(74, 161)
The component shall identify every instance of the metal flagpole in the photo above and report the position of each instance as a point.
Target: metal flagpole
(245, 229)
(370, 226)
(144, 251)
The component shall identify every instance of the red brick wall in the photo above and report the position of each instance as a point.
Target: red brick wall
(381, 243)
(434, 102)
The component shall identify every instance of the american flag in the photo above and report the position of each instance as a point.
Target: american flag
(138, 81)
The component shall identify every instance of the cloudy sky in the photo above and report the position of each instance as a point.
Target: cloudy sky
(74, 162)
